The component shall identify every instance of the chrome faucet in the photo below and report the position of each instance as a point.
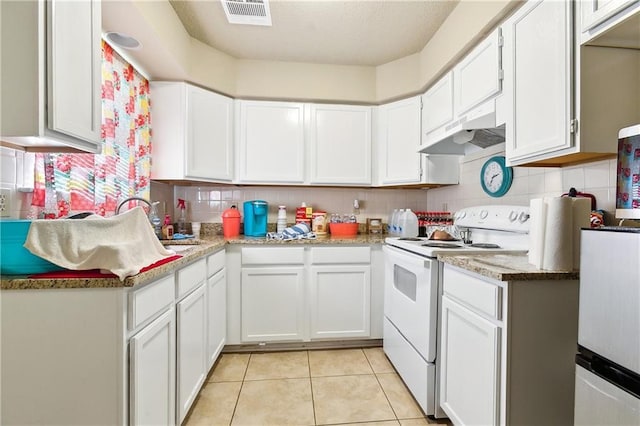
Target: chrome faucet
(132, 199)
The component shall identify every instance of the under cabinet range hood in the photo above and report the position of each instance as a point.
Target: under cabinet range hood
(476, 130)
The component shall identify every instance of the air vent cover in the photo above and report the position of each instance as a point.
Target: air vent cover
(248, 12)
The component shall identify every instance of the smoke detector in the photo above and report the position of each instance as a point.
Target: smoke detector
(247, 12)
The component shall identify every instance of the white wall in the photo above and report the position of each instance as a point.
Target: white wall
(597, 178)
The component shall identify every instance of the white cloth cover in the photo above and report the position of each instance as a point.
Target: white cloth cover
(122, 244)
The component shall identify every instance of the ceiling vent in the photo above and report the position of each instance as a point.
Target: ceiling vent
(247, 12)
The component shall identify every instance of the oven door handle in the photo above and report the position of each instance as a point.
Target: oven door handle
(406, 259)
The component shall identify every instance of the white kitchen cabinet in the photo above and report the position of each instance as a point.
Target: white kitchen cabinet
(339, 144)
(469, 390)
(270, 142)
(340, 301)
(152, 372)
(478, 77)
(437, 109)
(191, 353)
(216, 314)
(596, 12)
(398, 128)
(538, 68)
(51, 79)
(498, 335)
(272, 303)
(192, 133)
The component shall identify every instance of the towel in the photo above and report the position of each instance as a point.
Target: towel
(122, 244)
(299, 231)
(555, 232)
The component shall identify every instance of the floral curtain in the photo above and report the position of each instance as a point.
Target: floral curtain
(71, 183)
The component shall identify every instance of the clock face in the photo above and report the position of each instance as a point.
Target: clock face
(496, 177)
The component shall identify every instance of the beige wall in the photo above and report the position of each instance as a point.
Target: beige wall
(169, 53)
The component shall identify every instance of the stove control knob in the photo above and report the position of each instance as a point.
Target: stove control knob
(484, 214)
(513, 215)
(523, 217)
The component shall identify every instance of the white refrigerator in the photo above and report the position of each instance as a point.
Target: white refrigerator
(608, 362)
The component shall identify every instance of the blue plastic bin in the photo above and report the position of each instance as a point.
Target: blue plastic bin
(14, 258)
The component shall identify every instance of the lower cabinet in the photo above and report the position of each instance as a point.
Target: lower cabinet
(191, 353)
(272, 303)
(152, 372)
(469, 384)
(340, 301)
(217, 315)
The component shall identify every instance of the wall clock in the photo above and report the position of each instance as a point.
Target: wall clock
(496, 177)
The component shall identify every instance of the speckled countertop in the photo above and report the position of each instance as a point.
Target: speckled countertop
(505, 267)
(197, 249)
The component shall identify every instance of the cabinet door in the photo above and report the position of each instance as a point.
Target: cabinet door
(437, 109)
(595, 12)
(209, 135)
(272, 304)
(538, 74)
(470, 366)
(217, 315)
(340, 299)
(152, 373)
(478, 76)
(271, 143)
(192, 348)
(74, 68)
(399, 141)
(340, 145)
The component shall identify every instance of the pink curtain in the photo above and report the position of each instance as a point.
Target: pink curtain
(71, 183)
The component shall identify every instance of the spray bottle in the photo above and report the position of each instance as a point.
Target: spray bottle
(182, 219)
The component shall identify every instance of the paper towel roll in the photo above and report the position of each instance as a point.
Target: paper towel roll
(558, 235)
(581, 219)
(537, 221)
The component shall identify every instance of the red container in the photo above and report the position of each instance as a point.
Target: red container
(231, 222)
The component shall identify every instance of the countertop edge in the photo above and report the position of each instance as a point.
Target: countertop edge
(200, 248)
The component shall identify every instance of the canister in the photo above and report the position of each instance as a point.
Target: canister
(231, 222)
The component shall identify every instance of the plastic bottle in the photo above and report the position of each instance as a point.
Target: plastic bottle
(155, 220)
(167, 228)
(390, 221)
(282, 219)
(409, 224)
(396, 222)
(182, 219)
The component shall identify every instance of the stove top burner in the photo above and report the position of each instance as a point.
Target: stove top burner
(485, 245)
(443, 245)
(410, 239)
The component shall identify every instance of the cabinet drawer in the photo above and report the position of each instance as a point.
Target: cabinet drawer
(150, 300)
(190, 276)
(215, 262)
(333, 255)
(273, 255)
(473, 291)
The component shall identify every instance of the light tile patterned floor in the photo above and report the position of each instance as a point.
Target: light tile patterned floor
(328, 387)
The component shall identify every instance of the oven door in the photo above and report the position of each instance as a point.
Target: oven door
(411, 298)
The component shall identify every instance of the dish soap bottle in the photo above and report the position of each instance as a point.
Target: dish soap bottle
(156, 223)
(182, 219)
(167, 228)
(281, 224)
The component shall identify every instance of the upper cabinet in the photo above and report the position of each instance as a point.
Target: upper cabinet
(51, 95)
(538, 68)
(597, 12)
(463, 100)
(192, 133)
(398, 141)
(569, 97)
(339, 145)
(270, 142)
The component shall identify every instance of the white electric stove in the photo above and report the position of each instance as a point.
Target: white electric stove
(413, 289)
(489, 229)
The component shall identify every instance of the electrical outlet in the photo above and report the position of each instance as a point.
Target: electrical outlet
(5, 202)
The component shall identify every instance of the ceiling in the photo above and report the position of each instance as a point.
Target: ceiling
(351, 32)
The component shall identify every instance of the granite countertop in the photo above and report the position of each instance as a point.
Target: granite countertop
(505, 267)
(196, 249)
